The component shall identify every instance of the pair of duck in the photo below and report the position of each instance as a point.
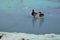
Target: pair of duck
(34, 13)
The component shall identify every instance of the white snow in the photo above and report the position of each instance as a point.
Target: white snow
(25, 36)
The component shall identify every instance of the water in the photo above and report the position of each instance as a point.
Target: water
(15, 16)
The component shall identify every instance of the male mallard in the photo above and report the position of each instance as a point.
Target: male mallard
(34, 13)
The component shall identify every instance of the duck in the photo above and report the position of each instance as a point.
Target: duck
(34, 13)
(41, 14)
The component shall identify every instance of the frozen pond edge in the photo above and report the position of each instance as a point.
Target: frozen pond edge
(25, 36)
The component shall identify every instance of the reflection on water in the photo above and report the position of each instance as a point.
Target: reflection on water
(34, 21)
(41, 20)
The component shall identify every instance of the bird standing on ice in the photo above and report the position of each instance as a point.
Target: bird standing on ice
(41, 14)
(34, 13)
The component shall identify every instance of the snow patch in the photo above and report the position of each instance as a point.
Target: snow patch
(25, 36)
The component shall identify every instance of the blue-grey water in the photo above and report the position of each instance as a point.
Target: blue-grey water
(15, 16)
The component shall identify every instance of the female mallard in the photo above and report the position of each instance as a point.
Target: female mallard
(34, 13)
(41, 14)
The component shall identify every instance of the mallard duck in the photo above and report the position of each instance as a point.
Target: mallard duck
(34, 13)
(41, 14)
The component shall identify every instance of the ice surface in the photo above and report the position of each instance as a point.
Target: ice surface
(15, 16)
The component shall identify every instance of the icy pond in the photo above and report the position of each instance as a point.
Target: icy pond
(15, 16)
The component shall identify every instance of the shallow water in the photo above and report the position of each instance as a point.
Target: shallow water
(15, 16)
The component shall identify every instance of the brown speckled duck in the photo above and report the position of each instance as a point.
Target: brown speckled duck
(41, 14)
(34, 13)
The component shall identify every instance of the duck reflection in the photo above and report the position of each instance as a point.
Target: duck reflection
(34, 21)
(41, 21)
